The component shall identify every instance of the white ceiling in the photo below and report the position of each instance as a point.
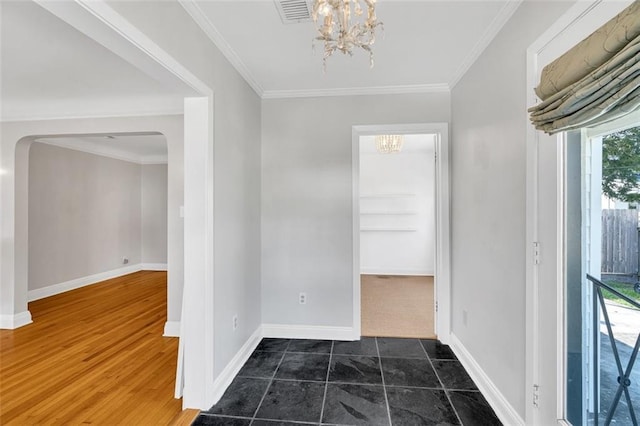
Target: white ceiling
(49, 68)
(147, 148)
(427, 46)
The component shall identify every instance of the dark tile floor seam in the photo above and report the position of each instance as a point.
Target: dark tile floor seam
(280, 379)
(416, 387)
(384, 388)
(326, 381)
(264, 419)
(255, 413)
(336, 382)
(442, 384)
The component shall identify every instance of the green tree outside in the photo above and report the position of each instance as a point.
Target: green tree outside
(621, 165)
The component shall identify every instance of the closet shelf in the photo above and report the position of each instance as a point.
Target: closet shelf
(387, 229)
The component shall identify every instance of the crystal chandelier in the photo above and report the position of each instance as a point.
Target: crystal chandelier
(339, 32)
(387, 144)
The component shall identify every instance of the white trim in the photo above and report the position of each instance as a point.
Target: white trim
(171, 329)
(11, 322)
(229, 372)
(154, 267)
(205, 24)
(505, 411)
(357, 91)
(287, 331)
(487, 37)
(114, 114)
(442, 274)
(105, 151)
(403, 272)
(197, 321)
(52, 290)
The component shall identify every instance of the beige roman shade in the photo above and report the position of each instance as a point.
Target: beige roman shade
(598, 80)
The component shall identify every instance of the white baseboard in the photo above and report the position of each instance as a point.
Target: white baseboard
(286, 331)
(505, 411)
(171, 329)
(52, 290)
(411, 272)
(153, 266)
(227, 375)
(11, 322)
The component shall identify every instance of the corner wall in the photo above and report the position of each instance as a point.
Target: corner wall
(488, 203)
(84, 214)
(154, 213)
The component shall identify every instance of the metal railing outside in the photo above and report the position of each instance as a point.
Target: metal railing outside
(624, 374)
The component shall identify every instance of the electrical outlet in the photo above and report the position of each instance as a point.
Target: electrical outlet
(464, 317)
(125, 260)
(303, 298)
(235, 322)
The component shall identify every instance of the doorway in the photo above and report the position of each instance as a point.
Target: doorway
(397, 235)
(98, 209)
(602, 306)
(384, 215)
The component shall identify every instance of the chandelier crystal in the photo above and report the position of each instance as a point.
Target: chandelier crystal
(387, 144)
(340, 32)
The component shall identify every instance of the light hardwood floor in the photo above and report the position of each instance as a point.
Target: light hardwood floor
(94, 355)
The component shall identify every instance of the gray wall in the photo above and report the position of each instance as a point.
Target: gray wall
(237, 168)
(307, 199)
(489, 123)
(154, 213)
(84, 214)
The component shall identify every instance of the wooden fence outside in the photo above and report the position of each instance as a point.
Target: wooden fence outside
(620, 241)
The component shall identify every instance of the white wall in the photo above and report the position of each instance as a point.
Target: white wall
(397, 207)
(84, 214)
(154, 213)
(488, 202)
(236, 168)
(307, 197)
(15, 141)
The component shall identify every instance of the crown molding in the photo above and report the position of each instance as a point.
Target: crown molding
(116, 154)
(487, 37)
(203, 21)
(357, 91)
(74, 116)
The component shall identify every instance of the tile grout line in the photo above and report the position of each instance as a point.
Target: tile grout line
(326, 383)
(446, 393)
(255, 413)
(384, 387)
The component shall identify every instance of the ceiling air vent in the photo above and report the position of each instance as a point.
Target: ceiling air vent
(293, 11)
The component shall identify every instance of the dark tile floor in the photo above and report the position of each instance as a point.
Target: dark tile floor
(374, 381)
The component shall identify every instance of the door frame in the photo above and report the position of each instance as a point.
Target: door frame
(546, 340)
(442, 279)
(195, 375)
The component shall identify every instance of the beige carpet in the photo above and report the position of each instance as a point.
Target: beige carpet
(397, 306)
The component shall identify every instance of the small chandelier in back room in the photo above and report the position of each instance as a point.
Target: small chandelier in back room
(387, 144)
(340, 30)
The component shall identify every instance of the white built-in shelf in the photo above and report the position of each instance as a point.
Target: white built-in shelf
(387, 196)
(387, 213)
(387, 229)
